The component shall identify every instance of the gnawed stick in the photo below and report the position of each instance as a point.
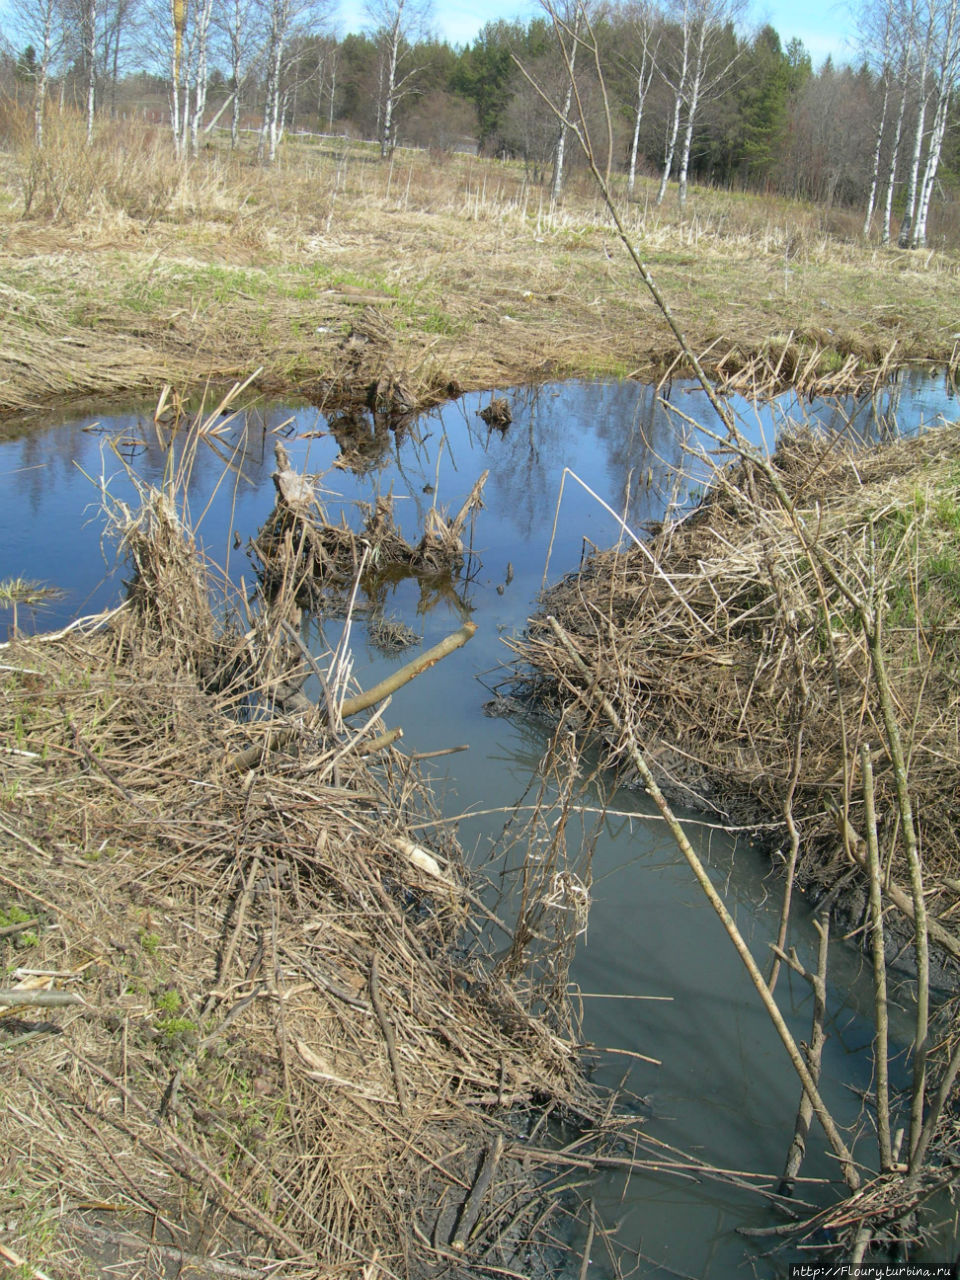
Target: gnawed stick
(10, 930)
(40, 999)
(241, 761)
(388, 1035)
(898, 896)
(879, 964)
(585, 1260)
(470, 1209)
(383, 740)
(397, 679)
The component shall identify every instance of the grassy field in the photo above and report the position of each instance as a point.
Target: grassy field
(121, 270)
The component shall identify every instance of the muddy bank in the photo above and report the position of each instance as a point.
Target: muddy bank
(734, 648)
(249, 1019)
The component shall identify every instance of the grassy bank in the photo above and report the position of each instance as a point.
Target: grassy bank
(122, 269)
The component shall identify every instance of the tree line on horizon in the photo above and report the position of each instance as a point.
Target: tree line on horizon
(682, 89)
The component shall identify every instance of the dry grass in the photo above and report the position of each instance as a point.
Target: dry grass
(739, 668)
(282, 1050)
(135, 265)
(786, 655)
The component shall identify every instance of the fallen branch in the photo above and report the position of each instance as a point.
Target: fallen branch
(470, 1210)
(403, 675)
(40, 999)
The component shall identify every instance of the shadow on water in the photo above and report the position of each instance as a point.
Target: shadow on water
(724, 1088)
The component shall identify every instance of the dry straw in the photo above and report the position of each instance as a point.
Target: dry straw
(281, 1050)
(790, 648)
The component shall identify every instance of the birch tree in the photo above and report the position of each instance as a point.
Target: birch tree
(568, 33)
(879, 30)
(918, 70)
(705, 53)
(644, 24)
(41, 23)
(907, 31)
(239, 23)
(119, 32)
(946, 81)
(675, 71)
(396, 24)
(82, 19)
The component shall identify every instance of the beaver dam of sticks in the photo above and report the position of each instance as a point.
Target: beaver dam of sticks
(255, 1022)
(808, 608)
(249, 1022)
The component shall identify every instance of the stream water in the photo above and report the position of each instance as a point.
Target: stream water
(724, 1088)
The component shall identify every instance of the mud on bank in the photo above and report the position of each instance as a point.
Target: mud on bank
(248, 1022)
(742, 668)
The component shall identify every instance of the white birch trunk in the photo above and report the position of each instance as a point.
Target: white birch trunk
(90, 11)
(895, 152)
(556, 183)
(200, 79)
(693, 102)
(878, 143)
(40, 93)
(635, 145)
(906, 227)
(950, 53)
(386, 132)
(671, 148)
(644, 77)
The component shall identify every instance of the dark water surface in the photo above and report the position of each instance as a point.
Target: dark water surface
(725, 1089)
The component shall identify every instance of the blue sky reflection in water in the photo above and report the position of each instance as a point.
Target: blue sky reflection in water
(725, 1089)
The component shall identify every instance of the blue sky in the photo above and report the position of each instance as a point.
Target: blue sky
(824, 26)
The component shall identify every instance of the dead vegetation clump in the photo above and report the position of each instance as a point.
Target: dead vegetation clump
(247, 1021)
(300, 550)
(744, 670)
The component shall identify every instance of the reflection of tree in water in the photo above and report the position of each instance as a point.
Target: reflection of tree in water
(364, 439)
(555, 425)
(644, 443)
(48, 456)
(527, 458)
(448, 589)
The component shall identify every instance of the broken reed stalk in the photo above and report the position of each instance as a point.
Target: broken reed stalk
(880, 1035)
(593, 692)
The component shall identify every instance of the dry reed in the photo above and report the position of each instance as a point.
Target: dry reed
(697, 640)
(288, 1054)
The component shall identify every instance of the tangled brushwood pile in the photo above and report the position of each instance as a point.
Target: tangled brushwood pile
(299, 550)
(247, 1023)
(808, 608)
